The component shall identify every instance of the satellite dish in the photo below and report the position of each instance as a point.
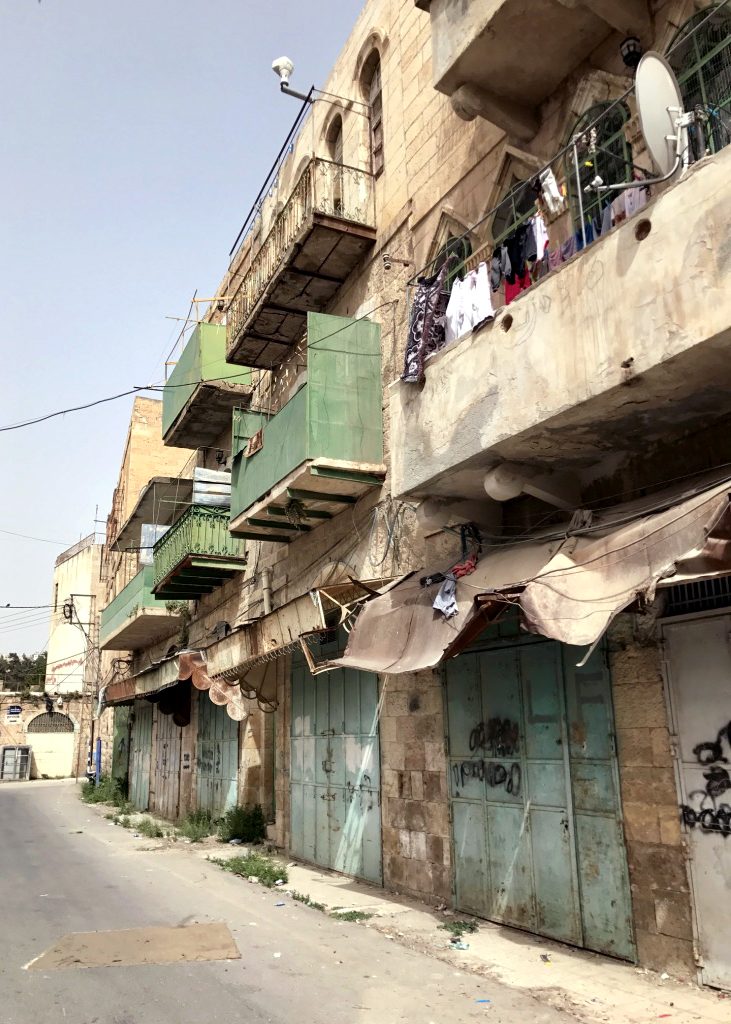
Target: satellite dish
(660, 106)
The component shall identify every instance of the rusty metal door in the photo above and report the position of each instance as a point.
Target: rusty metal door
(698, 666)
(537, 838)
(217, 758)
(168, 750)
(140, 756)
(335, 771)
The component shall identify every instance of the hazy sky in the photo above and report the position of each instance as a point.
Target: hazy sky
(135, 136)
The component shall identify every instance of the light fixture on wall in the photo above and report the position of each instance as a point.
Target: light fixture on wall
(283, 68)
(631, 51)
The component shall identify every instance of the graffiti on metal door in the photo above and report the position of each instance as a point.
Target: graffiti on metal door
(364, 792)
(708, 810)
(494, 738)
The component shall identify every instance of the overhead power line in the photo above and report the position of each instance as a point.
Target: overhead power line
(25, 606)
(161, 386)
(42, 540)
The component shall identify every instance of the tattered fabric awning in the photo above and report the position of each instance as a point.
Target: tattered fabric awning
(567, 589)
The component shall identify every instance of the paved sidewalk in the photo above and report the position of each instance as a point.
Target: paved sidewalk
(593, 988)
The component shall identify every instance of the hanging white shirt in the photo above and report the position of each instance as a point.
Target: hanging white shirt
(476, 289)
(539, 230)
(455, 312)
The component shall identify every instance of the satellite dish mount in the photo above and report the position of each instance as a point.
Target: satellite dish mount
(663, 122)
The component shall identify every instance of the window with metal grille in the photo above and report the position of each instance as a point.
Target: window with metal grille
(373, 89)
(699, 596)
(517, 207)
(51, 721)
(612, 160)
(701, 58)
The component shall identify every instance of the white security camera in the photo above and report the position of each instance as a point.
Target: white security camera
(595, 183)
(387, 261)
(283, 67)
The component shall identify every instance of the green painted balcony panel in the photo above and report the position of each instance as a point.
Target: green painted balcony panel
(197, 399)
(324, 448)
(136, 618)
(196, 555)
(324, 229)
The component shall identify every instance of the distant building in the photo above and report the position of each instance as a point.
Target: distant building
(72, 660)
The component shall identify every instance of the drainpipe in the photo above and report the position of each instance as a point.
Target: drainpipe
(266, 589)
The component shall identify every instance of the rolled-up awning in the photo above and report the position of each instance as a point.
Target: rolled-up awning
(400, 631)
(121, 691)
(591, 579)
(568, 589)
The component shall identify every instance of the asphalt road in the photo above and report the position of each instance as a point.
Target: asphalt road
(64, 869)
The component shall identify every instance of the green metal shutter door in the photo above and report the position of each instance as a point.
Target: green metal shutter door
(537, 838)
(335, 813)
(121, 745)
(217, 758)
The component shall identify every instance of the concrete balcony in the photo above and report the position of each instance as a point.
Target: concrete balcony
(474, 55)
(136, 618)
(196, 555)
(323, 231)
(626, 346)
(323, 449)
(198, 399)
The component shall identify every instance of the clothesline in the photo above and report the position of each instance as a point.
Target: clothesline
(439, 316)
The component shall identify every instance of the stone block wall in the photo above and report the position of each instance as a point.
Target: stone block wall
(661, 898)
(415, 819)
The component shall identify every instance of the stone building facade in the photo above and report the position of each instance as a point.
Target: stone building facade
(512, 762)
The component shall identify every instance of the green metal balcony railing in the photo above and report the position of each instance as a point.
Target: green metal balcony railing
(197, 554)
(202, 390)
(135, 616)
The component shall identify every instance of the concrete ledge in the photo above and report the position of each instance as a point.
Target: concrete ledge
(637, 324)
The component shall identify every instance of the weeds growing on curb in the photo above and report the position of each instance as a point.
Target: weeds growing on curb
(196, 826)
(244, 823)
(459, 928)
(351, 915)
(149, 828)
(264, 869)
(302, 897)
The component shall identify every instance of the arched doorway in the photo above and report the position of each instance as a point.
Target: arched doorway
(51, 736)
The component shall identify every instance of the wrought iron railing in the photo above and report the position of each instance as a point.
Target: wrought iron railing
(199, 532)
(335, 190)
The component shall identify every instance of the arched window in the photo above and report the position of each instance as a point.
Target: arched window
(518, 205)
(372, 89)
(612, 160)
(51, 721)
(334, 139)
(700, 55)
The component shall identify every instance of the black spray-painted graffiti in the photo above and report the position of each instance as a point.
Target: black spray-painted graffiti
(709, 814)
(497, 737)
(364, 792)
(492, 773)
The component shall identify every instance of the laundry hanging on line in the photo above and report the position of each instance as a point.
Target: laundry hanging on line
(427, 325)
(469, 304)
